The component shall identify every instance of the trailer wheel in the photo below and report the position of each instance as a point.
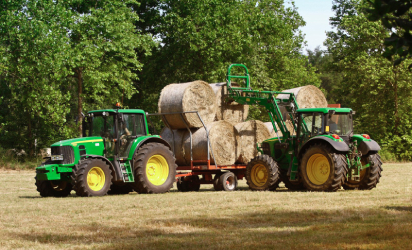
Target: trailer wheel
(53, 188)
(154, 169)
(262, 173)
(227, 181)
(216, 182)
(291, 185)
(188, 184)
(323, 170)
(92, 177)
(369, 177)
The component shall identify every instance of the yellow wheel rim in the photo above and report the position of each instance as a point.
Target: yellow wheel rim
(318, 169)
(259, 175)
(157, 170)
(96, 178)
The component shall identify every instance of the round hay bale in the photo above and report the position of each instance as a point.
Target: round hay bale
(231, 112)
(289, 126)
(190, 96)
(175, 139)
(306, 96)
(250, 133)
(222, 136)
(269, 125)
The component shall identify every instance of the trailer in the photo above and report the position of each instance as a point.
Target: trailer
(223, 177)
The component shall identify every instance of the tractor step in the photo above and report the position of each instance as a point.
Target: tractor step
(126, 170)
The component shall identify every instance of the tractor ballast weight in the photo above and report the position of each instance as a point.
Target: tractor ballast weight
(321, 153)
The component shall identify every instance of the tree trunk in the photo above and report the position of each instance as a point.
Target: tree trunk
(79, 94)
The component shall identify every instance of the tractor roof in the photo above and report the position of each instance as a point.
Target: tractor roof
(324, 110)
(134, 111)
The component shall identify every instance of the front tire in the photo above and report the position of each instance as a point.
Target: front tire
(369, 177)
(262, 173)
(53, 188)
(323, 170)
(92, 177)
(155, 169)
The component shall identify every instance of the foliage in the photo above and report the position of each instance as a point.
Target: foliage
(200, 39)
(54, 55)
(396, 16)
(371, 85)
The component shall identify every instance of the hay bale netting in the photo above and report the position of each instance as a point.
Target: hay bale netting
(190, 96)
(222, 136)
(306, 96)
(175, 139)
(250, 133)
(231, 112)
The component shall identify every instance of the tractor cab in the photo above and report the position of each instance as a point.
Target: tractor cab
(332, 122)
(118, 128)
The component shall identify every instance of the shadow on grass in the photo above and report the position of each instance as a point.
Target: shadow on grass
(307, 229)
(398, 208)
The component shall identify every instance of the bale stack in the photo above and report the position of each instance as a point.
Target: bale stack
(228, 111)
(231, 138)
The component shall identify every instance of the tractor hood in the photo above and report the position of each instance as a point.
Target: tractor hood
(80, 141)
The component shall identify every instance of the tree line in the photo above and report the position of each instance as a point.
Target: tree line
(59, 59)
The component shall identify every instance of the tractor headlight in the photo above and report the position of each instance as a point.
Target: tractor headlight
(57, 157)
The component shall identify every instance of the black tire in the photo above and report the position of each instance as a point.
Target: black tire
(216, 182)
(92, 177)
(154, 157)
(369, 177)
(291, 185)
(227, 182)
(120, 188)
(53, 188)
(323, 170)
(188, 184)
(262, 173)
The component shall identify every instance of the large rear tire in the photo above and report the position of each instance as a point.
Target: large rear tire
(262, 173)
(154, 169)
(53, 188)
(369, 177)
(323, 170)
(92, 177)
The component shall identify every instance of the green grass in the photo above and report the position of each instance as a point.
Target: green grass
(376, 219)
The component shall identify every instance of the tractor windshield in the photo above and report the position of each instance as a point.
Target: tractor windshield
(340, 124)
(103, 125)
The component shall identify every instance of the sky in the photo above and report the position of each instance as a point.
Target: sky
(316, 14)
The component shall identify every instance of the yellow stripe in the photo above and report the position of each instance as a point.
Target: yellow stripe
(75, 143)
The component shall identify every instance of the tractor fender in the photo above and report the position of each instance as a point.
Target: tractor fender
(114, 169)
(148, 140)
(368, 146)
(337, 146)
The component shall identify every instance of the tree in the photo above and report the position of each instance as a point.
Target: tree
(371, 85)
(200, 39)
(395, 15)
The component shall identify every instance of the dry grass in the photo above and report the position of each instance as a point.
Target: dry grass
(377, 219)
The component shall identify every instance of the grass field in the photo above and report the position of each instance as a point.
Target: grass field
(377, 219)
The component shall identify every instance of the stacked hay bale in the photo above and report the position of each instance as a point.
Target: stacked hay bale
(227, 110)
(232, 140)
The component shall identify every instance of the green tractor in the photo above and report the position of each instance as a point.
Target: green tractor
(321, 153)
(116, 155)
